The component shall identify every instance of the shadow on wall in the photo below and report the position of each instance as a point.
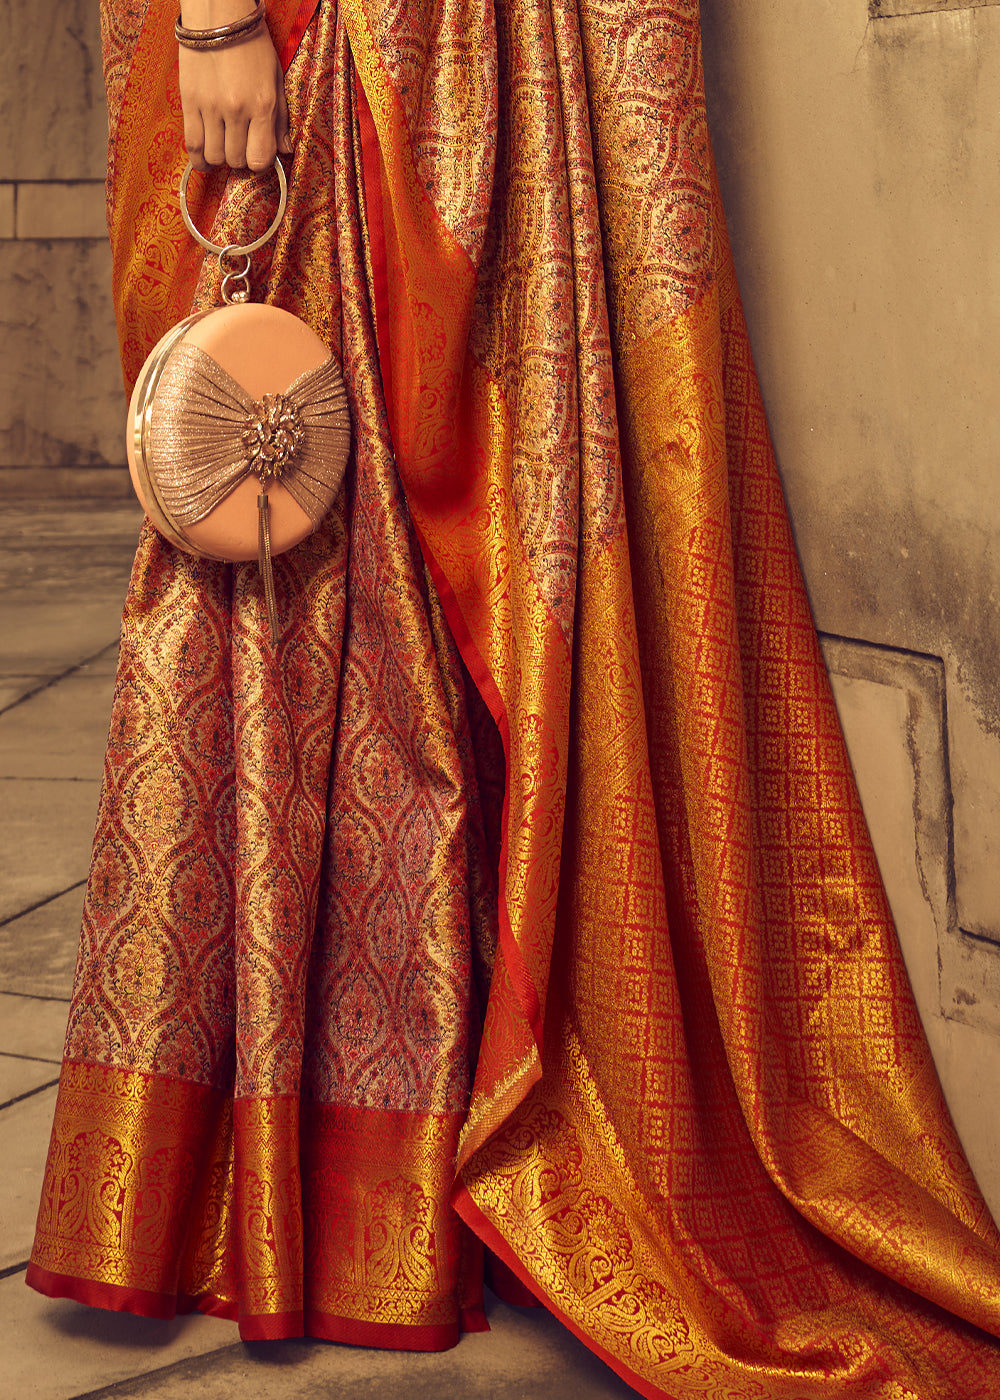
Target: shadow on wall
(895, 704)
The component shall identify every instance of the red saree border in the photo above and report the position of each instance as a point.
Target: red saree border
(111, 1296)
(288, 25)
(388, 1336)
(162, 1196)
(262, 1327)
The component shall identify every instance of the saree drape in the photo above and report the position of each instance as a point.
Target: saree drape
(522, 897)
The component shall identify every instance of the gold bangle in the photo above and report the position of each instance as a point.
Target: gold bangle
(222, 36)
(224, 30)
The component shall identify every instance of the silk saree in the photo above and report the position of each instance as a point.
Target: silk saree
(520, 899)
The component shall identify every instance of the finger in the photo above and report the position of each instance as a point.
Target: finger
(236, 143)
(194, 140)
(261, 144)
(214, 152)
(281, 125)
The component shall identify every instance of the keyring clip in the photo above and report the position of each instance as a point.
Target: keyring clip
(241, 248)
(235, 282)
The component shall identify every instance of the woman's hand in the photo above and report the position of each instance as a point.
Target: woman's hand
(233, 98)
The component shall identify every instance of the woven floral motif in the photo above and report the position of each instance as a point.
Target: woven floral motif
(524, 888)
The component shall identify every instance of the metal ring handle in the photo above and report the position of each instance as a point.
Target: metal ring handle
(235, 249)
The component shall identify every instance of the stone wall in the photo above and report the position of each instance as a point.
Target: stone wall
(62, 404)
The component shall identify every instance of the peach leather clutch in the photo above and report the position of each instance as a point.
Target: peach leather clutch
(238, 435)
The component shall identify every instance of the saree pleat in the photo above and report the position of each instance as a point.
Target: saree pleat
(523, 896)
(275, 1014)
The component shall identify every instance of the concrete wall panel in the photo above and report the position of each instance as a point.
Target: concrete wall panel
(60, 375)
(51, 90)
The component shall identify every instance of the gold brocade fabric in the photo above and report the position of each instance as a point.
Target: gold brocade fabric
(290, 903)
(159, 1189)
(695, 1112)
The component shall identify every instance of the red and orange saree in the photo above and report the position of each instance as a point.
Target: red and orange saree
(522, 896)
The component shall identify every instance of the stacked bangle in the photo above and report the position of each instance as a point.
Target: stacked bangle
(223, 36)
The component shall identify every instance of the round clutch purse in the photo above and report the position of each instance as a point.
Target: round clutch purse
(238, 427)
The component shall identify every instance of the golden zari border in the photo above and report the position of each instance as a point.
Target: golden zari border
(382, 1244)
(169, 1194)
(555, 1196)
(129, 1158)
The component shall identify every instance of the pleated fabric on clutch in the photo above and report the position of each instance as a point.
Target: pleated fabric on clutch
(209, 435)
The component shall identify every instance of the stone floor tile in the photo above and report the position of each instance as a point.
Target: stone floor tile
(19, 1076)
(38, 950)
(49, 636)
(67, 555)
(14, 688)
(527, 1355)
(34, 1027)
(105, 664)
(46, 833)
(105, 529)
(25, 1128)
(61, 732)
(52, 1349)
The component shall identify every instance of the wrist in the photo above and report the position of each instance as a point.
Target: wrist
(211, 14)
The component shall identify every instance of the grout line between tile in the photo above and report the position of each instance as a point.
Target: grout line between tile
(53, 680)
(41, 778)
(32, 1059)
(185, 1369)
(35, 996)
(29, 1094)
(40, 904)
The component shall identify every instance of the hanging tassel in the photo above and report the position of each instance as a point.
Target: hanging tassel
(264, 564)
